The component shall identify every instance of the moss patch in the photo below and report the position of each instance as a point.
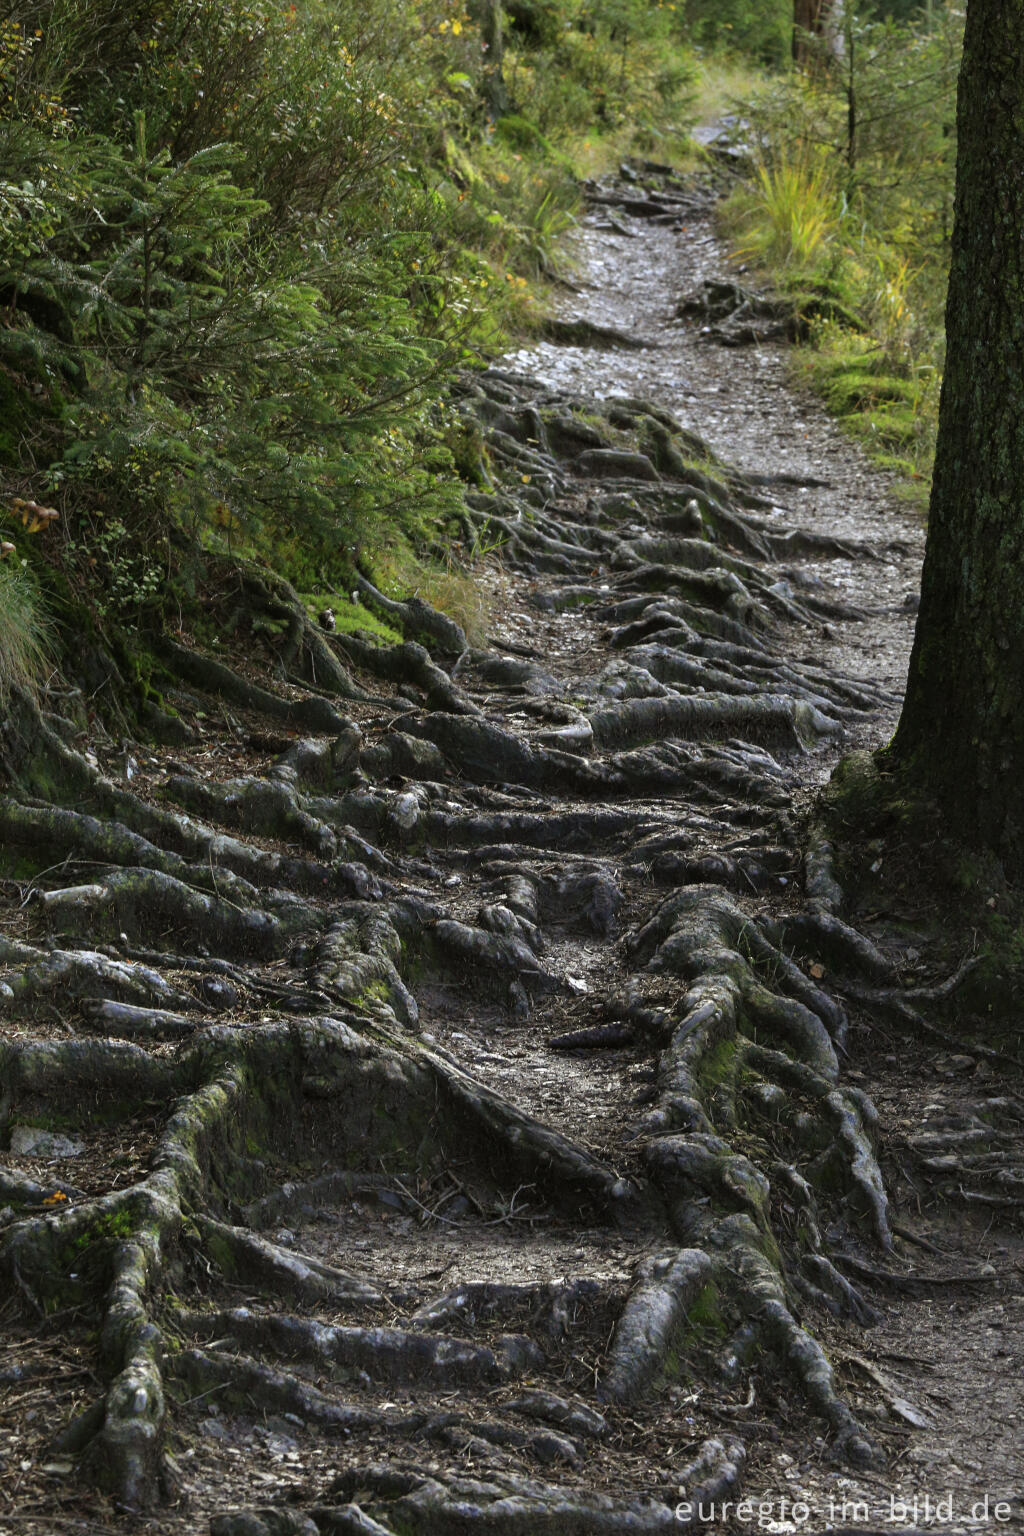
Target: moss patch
(351, 618)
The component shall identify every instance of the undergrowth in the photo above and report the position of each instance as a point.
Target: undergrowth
(849, 197)
(26, 640)
(244, 248)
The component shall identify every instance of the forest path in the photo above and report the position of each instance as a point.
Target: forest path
(957, 1351)
(634, 274)
(467, 1098)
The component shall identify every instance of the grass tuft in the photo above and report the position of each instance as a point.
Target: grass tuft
(25, 639)
(788, 212)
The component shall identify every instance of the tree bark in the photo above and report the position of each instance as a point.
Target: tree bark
(809, 21)
(961, 735)
(488, 16)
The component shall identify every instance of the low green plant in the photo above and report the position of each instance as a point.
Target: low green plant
(600, 65)
(852, 198)
(788, 211)
(26, 638)
(245, 246)
(893, 413)
(452, 586)
(760, 30)
(351, 617)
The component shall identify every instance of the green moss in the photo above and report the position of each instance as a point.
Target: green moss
(670, 1365)
(100, 1111)
(702, 1331)
(890, 411)
(466, 444)
(372, 996)
(352, 618)
(831, 302)
(719, 1065)
(220, 1251)
(848, 387)
(18, 867)
(705, 1313)
(855, 788)
(522, 135)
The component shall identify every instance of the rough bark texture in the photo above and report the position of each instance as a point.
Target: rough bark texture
(961, 736)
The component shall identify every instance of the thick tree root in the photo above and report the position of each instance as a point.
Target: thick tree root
(517, 1507)
(666, 1288)
(393, 986)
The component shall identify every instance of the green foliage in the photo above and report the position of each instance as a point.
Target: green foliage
(762, 31)
(854, 197)
(893, 414)
(599, 64)
(244, 245)
(788, 211)
(254, 293)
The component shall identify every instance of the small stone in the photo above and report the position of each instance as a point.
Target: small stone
(283, 1432)
(406, 812)
(218, 993)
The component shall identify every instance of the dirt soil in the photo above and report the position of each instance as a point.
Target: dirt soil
(930, 1364)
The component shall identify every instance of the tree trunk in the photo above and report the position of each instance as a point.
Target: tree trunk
(809, 19)
(961, 736)
(488, 16)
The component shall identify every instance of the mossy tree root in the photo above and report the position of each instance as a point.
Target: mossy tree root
(122, 1246)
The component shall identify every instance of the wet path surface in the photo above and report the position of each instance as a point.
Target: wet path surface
(742, 402)
(490, 1113)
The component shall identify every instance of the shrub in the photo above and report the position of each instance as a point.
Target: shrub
(788, 211)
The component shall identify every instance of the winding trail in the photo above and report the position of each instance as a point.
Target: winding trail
(444, 1092)
(633, 275)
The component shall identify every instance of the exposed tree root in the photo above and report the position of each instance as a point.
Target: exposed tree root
(306, 972)
(306, 713)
